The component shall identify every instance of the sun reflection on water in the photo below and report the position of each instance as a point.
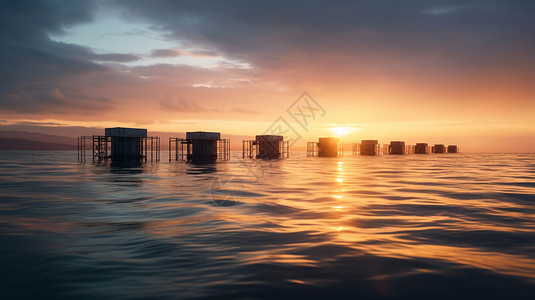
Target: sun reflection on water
(381, 219)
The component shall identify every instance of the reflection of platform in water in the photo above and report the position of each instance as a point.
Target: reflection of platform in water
(127, 163)
(201, 168)
(326, 147)
(119, 143)
(200, 147)
(266, 147)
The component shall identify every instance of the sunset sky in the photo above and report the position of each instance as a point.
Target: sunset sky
(452, 72)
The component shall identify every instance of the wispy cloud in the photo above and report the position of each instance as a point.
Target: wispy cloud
(183, 105)
(165, 53)
(441, 10)
(161, 53)
(116, 57)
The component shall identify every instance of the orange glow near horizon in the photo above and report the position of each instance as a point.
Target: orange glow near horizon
(470, 136)
(341, 130)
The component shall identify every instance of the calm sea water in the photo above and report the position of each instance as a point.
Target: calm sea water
(409, 227)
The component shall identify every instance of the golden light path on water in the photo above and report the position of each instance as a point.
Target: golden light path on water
(329, 223)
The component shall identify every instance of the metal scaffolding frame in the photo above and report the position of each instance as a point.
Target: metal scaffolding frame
(152, 144)
(340, 149)
(223, 149)
(312, 148)
(183, 149)
(101, 147)
(385, 149)
(355, 149)
(180, 154)
(284, 149)
(82, 147)
(250, 149)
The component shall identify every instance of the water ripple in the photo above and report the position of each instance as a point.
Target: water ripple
(396, 227)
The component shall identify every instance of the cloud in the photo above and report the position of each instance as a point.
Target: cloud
(116, 57)
(278, 35)
(39, 75)
(164, 53)
(178, 52)
(57, 95)
(183, 105)
(31, 123)
(441, 10)
(203, 53)
(186, 75)
(375, 52)
(41, 100)
(27, 20)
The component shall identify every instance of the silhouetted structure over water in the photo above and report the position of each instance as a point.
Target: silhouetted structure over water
(200, 146)
(396, 147)
(325, 147)
(372, 147)
(328, 147)
(439, 148)
(203, 146)
(121, 143)
(126, 142)
(453, 149)
(266, 147)
(369, 147)
(421, 148)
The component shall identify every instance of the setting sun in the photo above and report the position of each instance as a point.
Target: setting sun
(341, 130)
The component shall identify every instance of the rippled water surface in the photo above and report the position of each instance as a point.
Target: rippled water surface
(415, 226)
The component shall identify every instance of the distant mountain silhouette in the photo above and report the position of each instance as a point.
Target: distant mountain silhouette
(24, 144)
(23, 140)
(38, 137)
(26, 140)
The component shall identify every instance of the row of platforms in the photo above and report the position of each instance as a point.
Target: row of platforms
(133, 143)
(332, 147)
(200, 146)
